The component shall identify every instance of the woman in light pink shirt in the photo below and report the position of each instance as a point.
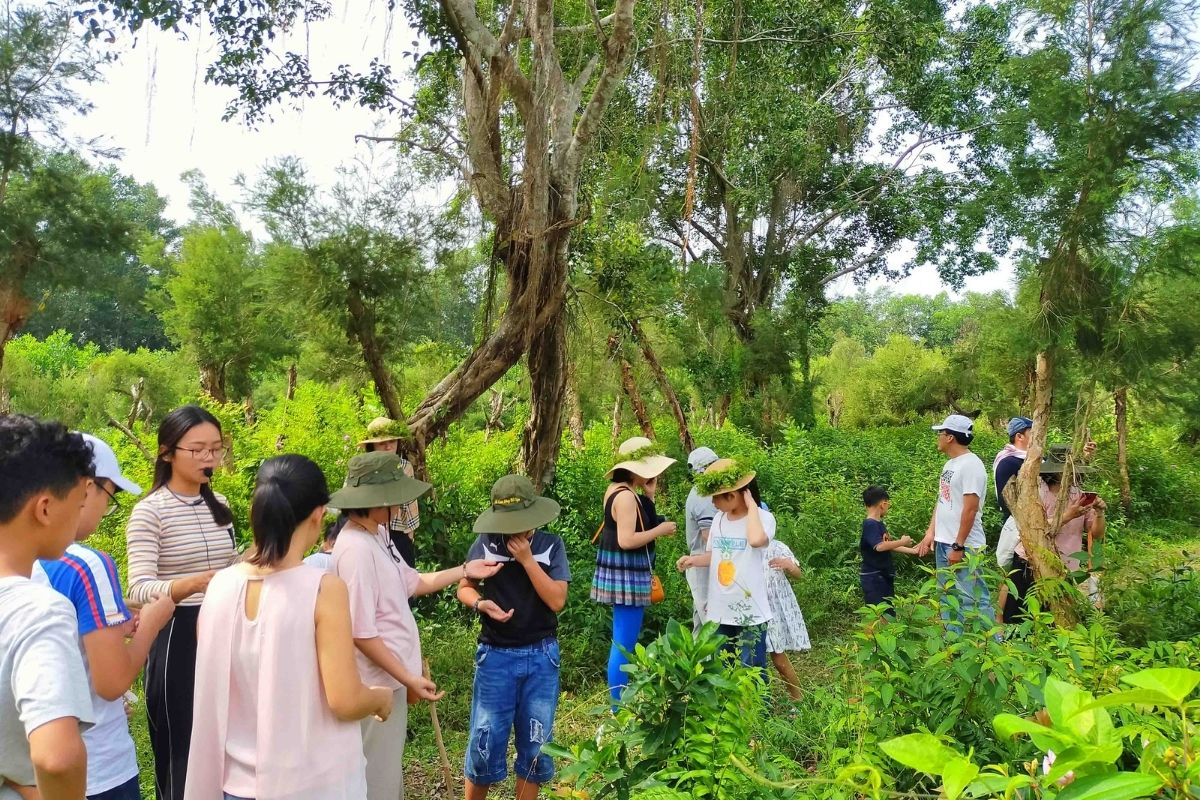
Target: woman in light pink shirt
(278, 694)
(383, 626)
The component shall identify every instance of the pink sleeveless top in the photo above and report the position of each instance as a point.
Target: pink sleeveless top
(300, 750)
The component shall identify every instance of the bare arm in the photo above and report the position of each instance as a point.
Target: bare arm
(348, 698)
(967, 521)
(687, 562)
(436, 581)
(625, 512)
(756, 534)
(59, 759)
(114, 665)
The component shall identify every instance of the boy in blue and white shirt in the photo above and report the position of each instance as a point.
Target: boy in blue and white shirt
(88, 578)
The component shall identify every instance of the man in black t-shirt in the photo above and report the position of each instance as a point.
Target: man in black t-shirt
(517, 662)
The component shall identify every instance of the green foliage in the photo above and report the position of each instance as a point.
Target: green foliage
(1164, 606)
(713, 482)
(688, 712)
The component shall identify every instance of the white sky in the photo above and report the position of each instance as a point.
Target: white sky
(156, 107)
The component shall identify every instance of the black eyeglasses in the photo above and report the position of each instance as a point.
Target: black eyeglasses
(113, 505)
(204, 452)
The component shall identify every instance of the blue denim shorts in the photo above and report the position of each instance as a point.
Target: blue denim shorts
(516, 690)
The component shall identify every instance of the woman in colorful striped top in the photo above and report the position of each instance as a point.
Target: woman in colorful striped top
(178, 536)
(625, 558)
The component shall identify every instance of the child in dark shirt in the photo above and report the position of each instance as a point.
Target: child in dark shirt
(878, 573)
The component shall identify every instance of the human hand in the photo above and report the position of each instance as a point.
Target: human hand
(384, 699)
(906, 541)
(420, 688)
(157, 613)
(1089, 449)
(955, 556)
(1099, 505)
(667, 528)
(925, 546)
(751, 503)
(650, 487)
(198, 583)
(481, 569)
(780, 563)
(494, 611)
(520, 549)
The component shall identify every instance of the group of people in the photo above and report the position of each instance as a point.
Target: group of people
(276, 673)
(265, 676)
(956, 527)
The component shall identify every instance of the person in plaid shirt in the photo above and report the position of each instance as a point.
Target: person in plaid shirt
(385, 434)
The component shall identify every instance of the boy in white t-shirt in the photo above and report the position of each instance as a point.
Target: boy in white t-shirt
(737, 591)
(956, 527)
(113, 647)
(44, 698)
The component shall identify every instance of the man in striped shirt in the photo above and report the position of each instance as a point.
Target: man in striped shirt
(88, 578)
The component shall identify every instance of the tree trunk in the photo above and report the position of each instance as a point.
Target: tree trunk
(723, 409)
(616, 419)
(1024, 497)
(14, 310)
(291, 384)
(362, 325)
(664, 385)
(1121, 401)
(803, 410)
(212, 382)
(635, 399)
(574, 410)
(495, 412)
(547, 362)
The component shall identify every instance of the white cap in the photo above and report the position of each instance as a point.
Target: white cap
(957, 423)
(107, 467)
(700, 458)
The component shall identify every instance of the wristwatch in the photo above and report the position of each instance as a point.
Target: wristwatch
(958, 547)
(475, 607)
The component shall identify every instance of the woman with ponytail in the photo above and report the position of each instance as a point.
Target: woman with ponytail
(178, 536)
(278, 694)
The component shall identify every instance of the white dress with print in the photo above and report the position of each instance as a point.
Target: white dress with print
(786, 630)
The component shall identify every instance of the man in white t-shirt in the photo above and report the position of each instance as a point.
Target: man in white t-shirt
(956, 528)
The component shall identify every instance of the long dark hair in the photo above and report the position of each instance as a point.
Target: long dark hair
(170, 433)
(287, 490)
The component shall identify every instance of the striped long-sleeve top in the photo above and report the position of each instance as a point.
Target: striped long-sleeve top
(173, 536)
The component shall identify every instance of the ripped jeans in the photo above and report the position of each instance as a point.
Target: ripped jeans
(516, 690)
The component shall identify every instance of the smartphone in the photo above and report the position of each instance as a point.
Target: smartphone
(1087, 498)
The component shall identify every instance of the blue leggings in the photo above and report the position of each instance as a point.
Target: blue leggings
(627, 624)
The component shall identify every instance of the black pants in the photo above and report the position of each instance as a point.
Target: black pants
(170, 686)
(1022, 578)
(878, 588)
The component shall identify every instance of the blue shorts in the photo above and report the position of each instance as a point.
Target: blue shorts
(516, 690)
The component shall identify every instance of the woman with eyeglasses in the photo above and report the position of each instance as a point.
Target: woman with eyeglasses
(386, 641)
(178, 536)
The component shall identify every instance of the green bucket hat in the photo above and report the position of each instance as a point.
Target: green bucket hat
(516, 508)
(375, 480)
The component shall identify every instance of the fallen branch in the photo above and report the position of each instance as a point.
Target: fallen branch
(115, 423)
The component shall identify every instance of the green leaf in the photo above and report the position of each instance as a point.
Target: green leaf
(1113, 786)
(923, 752)
(1009, 725)
(1129, 697)
(957, 773)
(1172, 682)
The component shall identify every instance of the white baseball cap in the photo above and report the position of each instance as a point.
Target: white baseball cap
(107, 467)
(700, 458)
(957, 423)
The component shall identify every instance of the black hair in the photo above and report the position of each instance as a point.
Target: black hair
(287, 489)
(170, 433)
(334, 528)
(874, 495)
(964, 439)
(38, 456)
(754, 491)
(621, 475)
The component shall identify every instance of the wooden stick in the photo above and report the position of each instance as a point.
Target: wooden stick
(447, 778)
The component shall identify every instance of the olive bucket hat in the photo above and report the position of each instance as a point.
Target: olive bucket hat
(383, 429)
(1054, 462)
(376, 480)
(516, 508)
